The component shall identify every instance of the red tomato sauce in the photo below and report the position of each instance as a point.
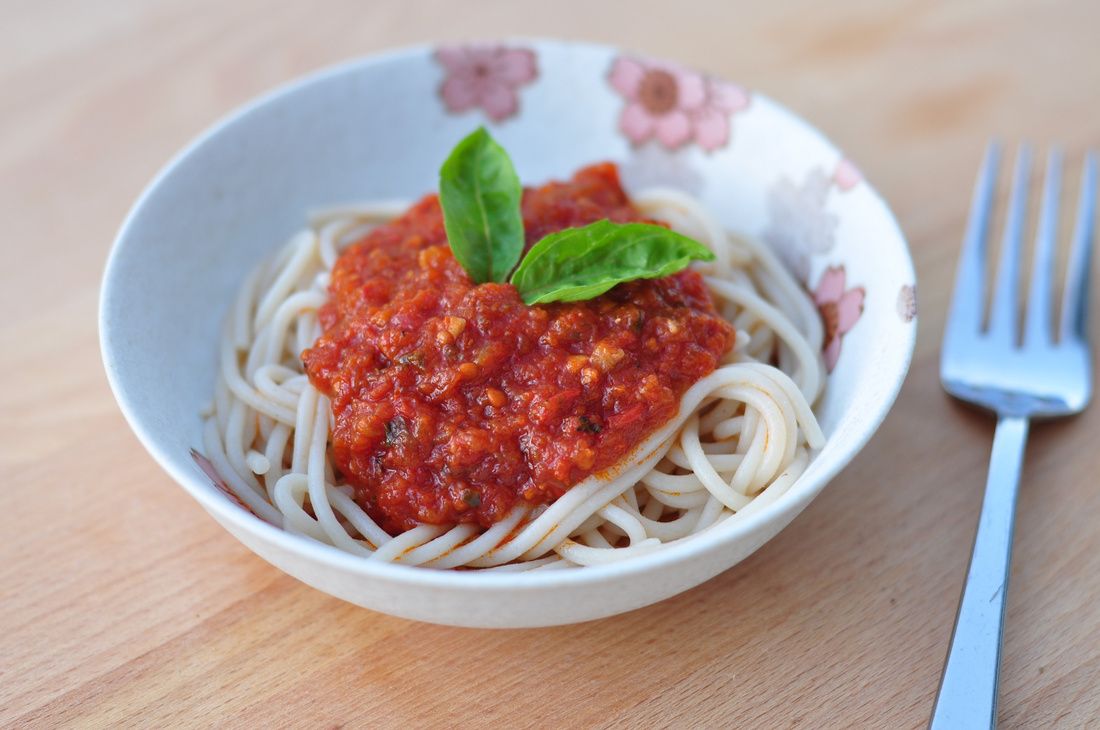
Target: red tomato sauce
(455, 401)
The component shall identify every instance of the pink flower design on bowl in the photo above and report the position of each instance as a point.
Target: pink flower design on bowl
(486, 78)
(674, 105)
(907, 303)
(800, 226)
(211, 473)
(840, 310)
(846, 175)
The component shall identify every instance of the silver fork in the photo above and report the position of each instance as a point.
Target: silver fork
(1046, 374)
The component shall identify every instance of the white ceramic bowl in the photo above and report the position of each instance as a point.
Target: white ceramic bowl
(379, 128)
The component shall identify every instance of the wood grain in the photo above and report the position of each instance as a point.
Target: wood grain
(123, 604)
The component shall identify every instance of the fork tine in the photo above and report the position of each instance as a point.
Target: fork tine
(1039, 324)
(965, 316)
(1075, 302)
(1003, 314)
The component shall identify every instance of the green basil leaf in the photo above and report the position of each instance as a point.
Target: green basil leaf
(480, 194)
(581, 263)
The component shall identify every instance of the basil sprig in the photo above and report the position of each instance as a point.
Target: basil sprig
(480, 194)
(581, 263)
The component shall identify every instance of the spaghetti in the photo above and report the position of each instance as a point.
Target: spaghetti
(741, 437)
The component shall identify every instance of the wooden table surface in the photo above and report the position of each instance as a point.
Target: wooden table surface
(124, 604)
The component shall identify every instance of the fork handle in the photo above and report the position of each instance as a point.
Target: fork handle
(968, 690)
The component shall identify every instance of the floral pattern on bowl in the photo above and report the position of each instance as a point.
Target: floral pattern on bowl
(840, 310)
(800, 224)
(674, 105)
(651, 165)
(846, 175)
(907, 303)
(212, 474)
(485, 77)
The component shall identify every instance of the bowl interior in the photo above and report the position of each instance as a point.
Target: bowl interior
(379, 129)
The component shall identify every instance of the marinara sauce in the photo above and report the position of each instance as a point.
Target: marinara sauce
(455, 401)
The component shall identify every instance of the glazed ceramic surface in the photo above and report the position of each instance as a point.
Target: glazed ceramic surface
(378, 129)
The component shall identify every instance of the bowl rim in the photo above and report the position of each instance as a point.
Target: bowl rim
(224, 510)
